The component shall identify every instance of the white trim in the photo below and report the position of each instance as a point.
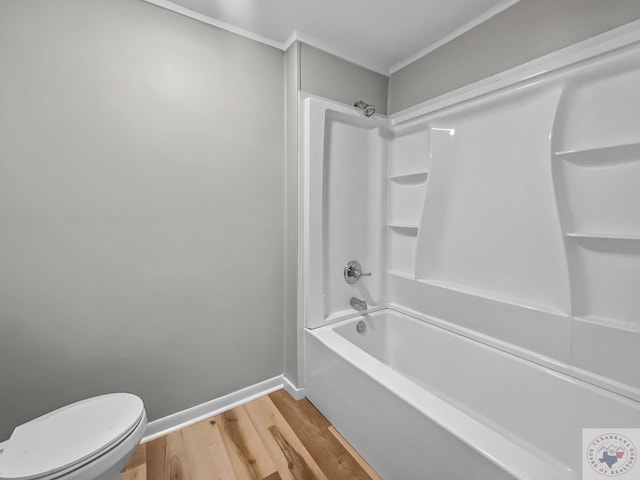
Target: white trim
(176, 421)
(216, 23)
(298, 36)
(290, 41)
(295, 36)
(295, 392)
(456, 33)
(604, 43)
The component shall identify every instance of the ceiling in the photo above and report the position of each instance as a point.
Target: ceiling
(382, 35)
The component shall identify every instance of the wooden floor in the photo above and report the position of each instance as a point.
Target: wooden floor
(272, 438)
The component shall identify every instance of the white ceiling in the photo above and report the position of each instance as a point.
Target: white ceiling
(383, 35)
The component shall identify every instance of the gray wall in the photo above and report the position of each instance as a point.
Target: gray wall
(332, 77)
(523, 32)
(141, 207)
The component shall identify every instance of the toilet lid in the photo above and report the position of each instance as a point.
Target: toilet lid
(69, 436)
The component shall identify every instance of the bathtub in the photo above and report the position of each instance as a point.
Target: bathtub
(420, 402)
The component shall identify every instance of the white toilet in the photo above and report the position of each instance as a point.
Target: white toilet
(89, 440)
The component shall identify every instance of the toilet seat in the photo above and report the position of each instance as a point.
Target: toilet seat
(70, 437)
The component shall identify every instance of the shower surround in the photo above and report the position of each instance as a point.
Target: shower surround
(500, 220)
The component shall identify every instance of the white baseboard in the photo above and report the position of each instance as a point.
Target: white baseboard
(176, 421)
(295, 392)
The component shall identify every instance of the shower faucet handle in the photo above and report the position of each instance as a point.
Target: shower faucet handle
(363, 274)
(353, 272)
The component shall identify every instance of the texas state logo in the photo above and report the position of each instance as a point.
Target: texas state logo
(610, 453)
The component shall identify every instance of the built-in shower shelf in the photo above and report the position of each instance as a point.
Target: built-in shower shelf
(618, 243)
(604, 236)
(603, 156)
(410, 178)
(410, 229)
(610, 323)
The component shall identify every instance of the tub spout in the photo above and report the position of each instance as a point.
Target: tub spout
(358, 304)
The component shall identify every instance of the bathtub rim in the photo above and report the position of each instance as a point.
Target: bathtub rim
(593, 379)
(357, 357)
(498, 351)
(513, 458)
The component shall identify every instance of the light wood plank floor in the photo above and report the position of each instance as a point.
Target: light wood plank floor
(272, 438)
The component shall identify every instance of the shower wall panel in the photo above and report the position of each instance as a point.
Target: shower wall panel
(596, 145)
(490, 223)
(511, 211)
(343, 208)
(352, 212)
(530, 229)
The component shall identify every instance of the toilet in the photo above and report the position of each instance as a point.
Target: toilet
(89, 440)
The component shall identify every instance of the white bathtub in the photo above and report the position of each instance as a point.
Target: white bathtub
(420, 402)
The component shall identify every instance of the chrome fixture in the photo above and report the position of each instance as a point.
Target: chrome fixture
(369, 110)
(361, 327)
(353, 272)
(358, 304)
